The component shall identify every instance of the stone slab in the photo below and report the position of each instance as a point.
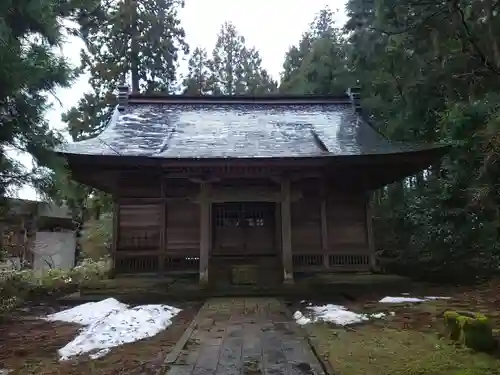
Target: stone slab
(244, 336)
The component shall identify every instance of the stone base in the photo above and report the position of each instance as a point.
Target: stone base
(151, 290)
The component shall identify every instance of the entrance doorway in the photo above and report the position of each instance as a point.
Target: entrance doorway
(244, 238)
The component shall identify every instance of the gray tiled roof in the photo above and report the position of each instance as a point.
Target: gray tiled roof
(237, 131)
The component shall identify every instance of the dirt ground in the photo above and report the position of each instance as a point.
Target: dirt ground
(409, 343)
(412, 342)
(29, 346)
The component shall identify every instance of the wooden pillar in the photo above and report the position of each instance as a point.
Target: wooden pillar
(286, 231)
(369, 233)
(205, 237)
(115, 235)
(324, 234)
(163, 228)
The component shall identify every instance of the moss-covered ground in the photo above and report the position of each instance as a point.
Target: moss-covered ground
(412, 341)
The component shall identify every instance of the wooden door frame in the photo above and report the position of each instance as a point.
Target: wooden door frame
(272, 209)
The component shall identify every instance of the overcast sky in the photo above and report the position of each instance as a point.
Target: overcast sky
(270, 25)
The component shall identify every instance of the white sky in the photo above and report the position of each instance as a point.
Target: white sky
(270, 25)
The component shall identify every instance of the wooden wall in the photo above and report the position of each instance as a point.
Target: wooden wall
(329, 228)
(157, 229)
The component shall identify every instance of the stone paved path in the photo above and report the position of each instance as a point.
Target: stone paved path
(245, 336)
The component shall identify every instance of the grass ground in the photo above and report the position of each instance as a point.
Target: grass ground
(412, 342)
(29, 346)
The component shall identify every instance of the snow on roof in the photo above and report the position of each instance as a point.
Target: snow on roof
(238, 130)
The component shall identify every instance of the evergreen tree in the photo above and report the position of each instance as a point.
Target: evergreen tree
(257, 79)
(29, 29)
(226, 62)
(197, 81)
(236, 69)
(140, 40)
(430, 72)
(319, 65)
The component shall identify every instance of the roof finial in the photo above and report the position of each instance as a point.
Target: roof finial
(123, 91)
(354, 93)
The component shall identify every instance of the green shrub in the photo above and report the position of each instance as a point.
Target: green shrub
(90, 273)
(473, 330)
(96, 237)
(18, 286)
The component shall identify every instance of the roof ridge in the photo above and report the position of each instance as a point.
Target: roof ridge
(238, 99)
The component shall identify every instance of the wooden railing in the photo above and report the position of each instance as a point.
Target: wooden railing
(188, 264)
(333, 262)
(136, 262)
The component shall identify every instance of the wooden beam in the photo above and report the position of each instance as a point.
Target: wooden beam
(246, 194)
(203, 179)
(205, 239)
(243, 194)
(286, 231)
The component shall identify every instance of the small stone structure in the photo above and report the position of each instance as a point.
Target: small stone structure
(38, 235)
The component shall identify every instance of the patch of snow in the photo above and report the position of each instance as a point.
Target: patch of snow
(400, 299)
(409, 299)
(300, 318)
(110, 323)
(334, 314)
(434, 298)
(99, 354)
(89, 312)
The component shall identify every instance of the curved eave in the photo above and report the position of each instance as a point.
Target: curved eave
(376, 171)
(370, 170)
(432, 152)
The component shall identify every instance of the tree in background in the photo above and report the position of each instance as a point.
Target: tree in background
(226, 63)
(430, 72)
(137, 39)
(320, 62)
(256, 79)
(197, 81)
(30, 71)
(232, 69)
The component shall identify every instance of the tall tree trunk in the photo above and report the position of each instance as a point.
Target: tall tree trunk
(134, 47)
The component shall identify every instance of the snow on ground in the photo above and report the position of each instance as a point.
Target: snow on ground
(400, 299)
(88, 312)
(340, 315)
(334, 314)
(434, 298)
(409, 299)
(110, 323)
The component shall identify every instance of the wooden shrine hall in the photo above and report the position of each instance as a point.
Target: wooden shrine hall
(213, 184)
